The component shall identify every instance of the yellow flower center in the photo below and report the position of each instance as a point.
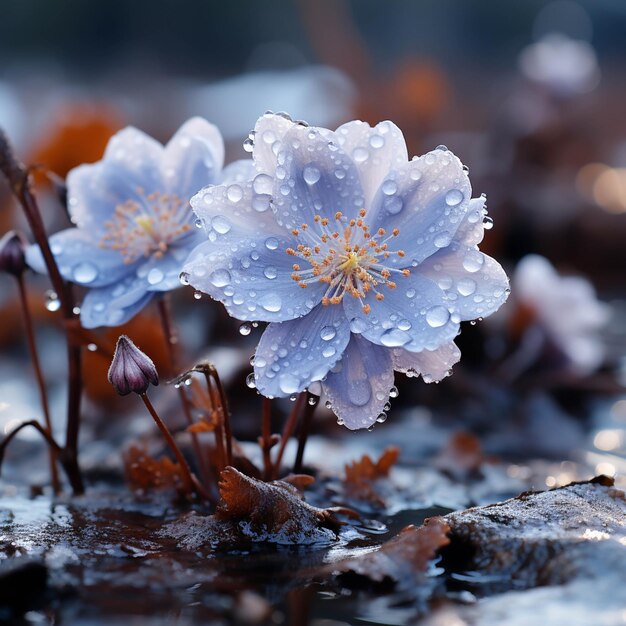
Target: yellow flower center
(147, 226)
(353, 261)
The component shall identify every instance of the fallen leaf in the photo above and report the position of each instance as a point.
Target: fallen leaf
(361, 475)
(145, 472)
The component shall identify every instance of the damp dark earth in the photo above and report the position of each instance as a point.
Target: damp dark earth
(312, 313)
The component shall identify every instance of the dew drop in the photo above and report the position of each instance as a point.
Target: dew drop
(288, 383)
(329, 351)
(327, 333)
(442, 240)
(270, 272)
(248, 144)
(155, 276)
(183, 278)
(271, 243)
(377, 141)
(220, 224)
(52, 302)
(393, 392)
(262, 184)
(437, 316)
(92, 347)
(220, 278)
(383, 416)
(360, 155)
(271, 302)
(250, 382)
(311, 175)
(198, 223)
(466, 286)
(454, 197)
(197, 295)
(473, 261)
(389, 187)
(245, 329)
(85, 273)
(487, 222)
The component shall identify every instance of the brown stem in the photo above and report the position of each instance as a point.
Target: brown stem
(288, 429)
(171, 340)
(43, 394)
(190, 483)
(266, 444)
(19, 180)
(37, 426)
(303, 435)
(228, 436)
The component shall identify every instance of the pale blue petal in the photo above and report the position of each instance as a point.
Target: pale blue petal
(138, 154)
(268, 133)
(252, 278)
(95, 190)
(192, 159)
(314, 177)
(163, 274)
(375, 151)
(116, 304)
(240, 171)
(293, 354)
(472, 230)
(358, 386)
(81, 260)
(475, 284)
(415, 315)
(432, 365)
(426, 200)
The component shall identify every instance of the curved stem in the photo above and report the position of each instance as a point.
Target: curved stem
(19, 180)
(190, 483)
(303, 435)
(43, 394)
(171, 339)
(288, 429)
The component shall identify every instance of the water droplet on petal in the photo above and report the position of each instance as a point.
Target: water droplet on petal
(389, 187)
(288, 383)
(220, 224)
(270, 272)
(248, 144)
(311, 175)
(360, 155)
(250, 382)
(454, 197)
(377, 141)
(393, 392)
(473, 261)
(271, 243)
(437, 316)
(327, 333)
(155, 276)
(234, 193)
(487, 222)
(466, 286)
(271, 302)
(245, 329)
(220, 278)
(197, 295)
(85, 273)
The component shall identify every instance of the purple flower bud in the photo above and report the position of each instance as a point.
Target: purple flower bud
(131, 369)
(12, 258)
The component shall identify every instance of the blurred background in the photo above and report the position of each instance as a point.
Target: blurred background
(530, 95)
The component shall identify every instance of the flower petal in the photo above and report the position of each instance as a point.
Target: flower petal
(358, 387)
(293, 354)
(433, 365)
(474, 283)
(269, 130)
(472, 229)
(240, 171)
(426, 200)
(415, 315)
(314, 177)
(192, 158)
(138, 154)
(80, 259)
(116, 304)
(375, 151)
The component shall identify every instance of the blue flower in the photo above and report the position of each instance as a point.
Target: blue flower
(134, 226)
(362, 261)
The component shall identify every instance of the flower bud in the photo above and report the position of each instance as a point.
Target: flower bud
(12, 256)
(131, 369)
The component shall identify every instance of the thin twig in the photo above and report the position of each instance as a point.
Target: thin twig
(303, 434)
(43, 394)
(190, 483)
(288, 429)
(37, 426)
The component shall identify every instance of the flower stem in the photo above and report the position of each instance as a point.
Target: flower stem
(171, 343)
(288, 429)
(265, 440)
(303, 434)
(190, 483)
(18, 177)
(43, 394)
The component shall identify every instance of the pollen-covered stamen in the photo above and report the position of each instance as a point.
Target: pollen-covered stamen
(347, 257)
(147, 226)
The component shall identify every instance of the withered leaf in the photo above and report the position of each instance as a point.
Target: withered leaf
(462, 456)
(145, 472)
(402, 558)
(361, 474)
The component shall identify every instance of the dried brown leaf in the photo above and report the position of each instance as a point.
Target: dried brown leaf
(361, 474)
(404, 557)
(145, 472)
(462, 456)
